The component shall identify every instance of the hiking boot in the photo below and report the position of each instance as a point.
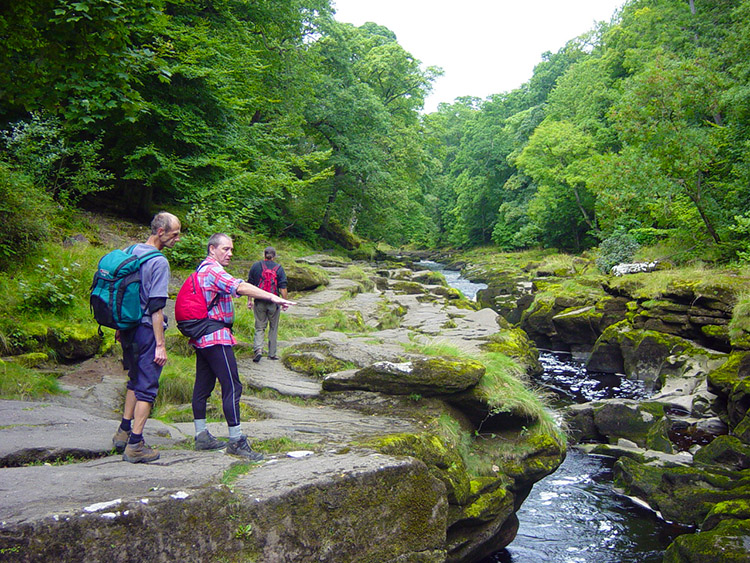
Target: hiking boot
(242, 448)
(257, 357)
(120, 440)
(207, 441)
(273, 357)
(139, 453)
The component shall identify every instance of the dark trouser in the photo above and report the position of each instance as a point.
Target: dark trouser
(212, 363)
(138, 351)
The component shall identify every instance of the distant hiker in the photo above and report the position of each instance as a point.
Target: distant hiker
(143, 347)
(214, 357)
(269, 276)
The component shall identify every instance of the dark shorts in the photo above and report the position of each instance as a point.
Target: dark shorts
(138, 349)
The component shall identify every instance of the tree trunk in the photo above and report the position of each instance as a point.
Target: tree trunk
(338, 173)
(698, 202)
(589, 221)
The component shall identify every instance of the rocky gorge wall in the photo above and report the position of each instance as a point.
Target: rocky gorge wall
(685, 451)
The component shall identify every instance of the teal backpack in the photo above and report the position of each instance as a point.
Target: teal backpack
(116, 290)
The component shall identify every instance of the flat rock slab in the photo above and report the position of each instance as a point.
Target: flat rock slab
(316, 424)
(332, 292)
(45, 430)
(72, 488)
(276, 477)
(271, 374)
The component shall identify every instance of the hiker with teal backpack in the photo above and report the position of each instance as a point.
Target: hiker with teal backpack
(140, 325)
(269, 276)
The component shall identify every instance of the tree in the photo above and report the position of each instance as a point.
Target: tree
(670, 112)
(558, 159)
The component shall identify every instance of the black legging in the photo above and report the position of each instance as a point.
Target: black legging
(212, 363)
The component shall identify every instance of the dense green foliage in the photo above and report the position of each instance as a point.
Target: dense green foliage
(273, 117)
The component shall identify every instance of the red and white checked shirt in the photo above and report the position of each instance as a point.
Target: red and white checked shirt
(213, 279)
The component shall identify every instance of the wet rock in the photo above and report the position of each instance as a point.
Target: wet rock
(725, 542)
(681, 494)
(725, 451)
(626, 419)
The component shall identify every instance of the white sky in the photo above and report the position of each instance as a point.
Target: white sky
(484, 46)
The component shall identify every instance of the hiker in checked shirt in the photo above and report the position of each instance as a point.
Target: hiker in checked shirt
(214, 358)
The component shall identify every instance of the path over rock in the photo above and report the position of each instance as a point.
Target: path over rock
(37, 500)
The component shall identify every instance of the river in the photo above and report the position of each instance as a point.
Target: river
(574, 515)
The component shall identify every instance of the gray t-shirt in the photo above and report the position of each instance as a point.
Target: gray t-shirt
(155, 276)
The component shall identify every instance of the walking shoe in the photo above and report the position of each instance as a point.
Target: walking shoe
(139, 453)
(242, 448)
(207, 441)
(120, 440)
(273, 357)
(257, 357)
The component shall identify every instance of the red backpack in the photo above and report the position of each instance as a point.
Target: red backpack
(269, 278)
(191, 310)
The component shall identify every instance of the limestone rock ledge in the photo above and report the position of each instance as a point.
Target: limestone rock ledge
(355, 506)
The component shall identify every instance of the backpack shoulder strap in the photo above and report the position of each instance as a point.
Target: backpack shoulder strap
(215, 300)
(148, 256)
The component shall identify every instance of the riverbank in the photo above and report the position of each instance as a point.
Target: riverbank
(360, 455)
(682, 334)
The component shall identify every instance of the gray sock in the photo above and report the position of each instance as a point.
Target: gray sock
(200, 425)
(235, 433)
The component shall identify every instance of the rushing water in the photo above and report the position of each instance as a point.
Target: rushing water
(454, 279)
(574, 515)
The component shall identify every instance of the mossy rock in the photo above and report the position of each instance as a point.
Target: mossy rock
(626, 419)
(742, 430)
(726, 543)
(738, 403)
(443, 461)
(657, 437)
(312, 363)
(682, 494)
(736, 509)
(424, 376)
(30, 359)
(578, 325)
(304, 278)
(333, 231)
(494, 504)
(516, 344)
(74, 342)
(725, 451)
(429, 277)
(641, 354)
(722, 380)
(537, 321)
(446, 292)
(408, 287)
(539, 454)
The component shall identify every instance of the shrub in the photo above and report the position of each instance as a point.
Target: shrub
(66, 168)
(51, 290)
(619, 247)
(24, 212)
